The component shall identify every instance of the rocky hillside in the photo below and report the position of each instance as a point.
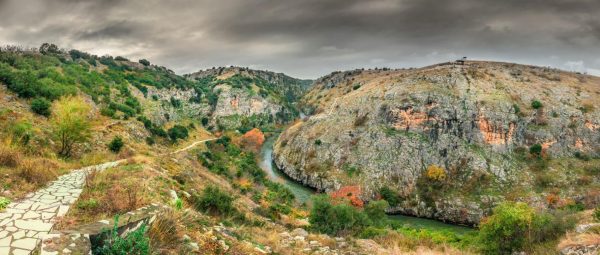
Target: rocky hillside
(450, 141)
(242, 98)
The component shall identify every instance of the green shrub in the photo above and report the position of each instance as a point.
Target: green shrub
(376, 212)
(4, 202)
(596, 214)
(536, 149)
(214, 201)
(108, 112)
(318, 142)
(516, 108)
(116, 144)
(178, 132)
(204, 121)
(41, 106)
(389, 195)
(339, 219)
(371, 232)
(535, 104)
(135, 243)
(89, 204)
(144, 62)
(506, 230)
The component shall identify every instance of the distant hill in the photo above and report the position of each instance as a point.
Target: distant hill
(494, 129)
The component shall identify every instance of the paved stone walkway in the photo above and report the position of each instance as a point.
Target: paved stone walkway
(24, 222)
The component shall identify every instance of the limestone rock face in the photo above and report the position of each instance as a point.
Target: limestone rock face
(476, 121)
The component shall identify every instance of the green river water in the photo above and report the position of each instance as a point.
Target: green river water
(303, 194)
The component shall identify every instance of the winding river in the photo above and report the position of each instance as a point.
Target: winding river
(303, 193)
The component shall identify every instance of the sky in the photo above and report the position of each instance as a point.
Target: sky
(311, 38)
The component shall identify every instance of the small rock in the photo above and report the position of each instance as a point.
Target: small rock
(300, 232)
(193, 246)
(299, 238)
(187, 195)
(173, 195)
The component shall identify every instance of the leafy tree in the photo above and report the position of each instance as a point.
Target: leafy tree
(70, 123)
(389, 195)
(376, 212)
(144, 62)
(436, 173)
(41, 106)
(508, 229)
(116, 144)
(178, 132)
(536, 149)
(204, 121)
(328, 218)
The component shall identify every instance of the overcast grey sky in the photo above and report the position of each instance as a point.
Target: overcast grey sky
(310, 38)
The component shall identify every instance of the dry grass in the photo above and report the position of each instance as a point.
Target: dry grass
(165, 233)
(114, 191)
(39, 171)
(9, 157)
(585, 239)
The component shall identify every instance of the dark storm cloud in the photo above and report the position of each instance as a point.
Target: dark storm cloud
(308, 38)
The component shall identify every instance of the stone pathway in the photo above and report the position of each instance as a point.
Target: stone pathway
(24, 222)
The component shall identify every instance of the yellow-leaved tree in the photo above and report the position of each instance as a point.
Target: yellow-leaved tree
(70, 123)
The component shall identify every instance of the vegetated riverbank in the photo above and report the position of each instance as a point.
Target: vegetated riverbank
(303, 194)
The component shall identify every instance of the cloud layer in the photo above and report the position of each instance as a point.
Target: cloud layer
(310, 38)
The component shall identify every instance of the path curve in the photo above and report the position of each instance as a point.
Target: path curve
(23, 223)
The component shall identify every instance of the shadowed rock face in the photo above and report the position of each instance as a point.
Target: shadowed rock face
(474, 120)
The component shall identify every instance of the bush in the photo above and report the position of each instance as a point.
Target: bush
(318, 142)
(41, 106)
(535, 104)
(389, 195)
(507, 229)
(116, 144)
(9, 157)
(39, 171)
(144, 62)
(436, 173)
(136, 242)
(376, 212)
(536, 149)
(214, 201)
(339, 219)
(596, 213)
(178, 132)
(3, 203)
(70, 123)
(204, 121)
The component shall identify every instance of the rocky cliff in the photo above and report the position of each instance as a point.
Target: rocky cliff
(449, 140)
(244, 98)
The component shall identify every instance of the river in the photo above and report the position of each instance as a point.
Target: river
(303, 193)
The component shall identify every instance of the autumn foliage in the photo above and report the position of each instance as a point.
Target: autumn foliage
(253, 139)
(436, 173)
(351, 193)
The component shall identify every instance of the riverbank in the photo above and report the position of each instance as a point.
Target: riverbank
(303, 195)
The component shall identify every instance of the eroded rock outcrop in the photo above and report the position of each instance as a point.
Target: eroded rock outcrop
(473, 120)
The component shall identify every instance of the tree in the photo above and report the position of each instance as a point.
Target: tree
(436, 173)
(144, 62)
(376, 212)
(508, 229)
(178, 132)
(41, 106)
(70, 123)
(536, 149)
(116, 144)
